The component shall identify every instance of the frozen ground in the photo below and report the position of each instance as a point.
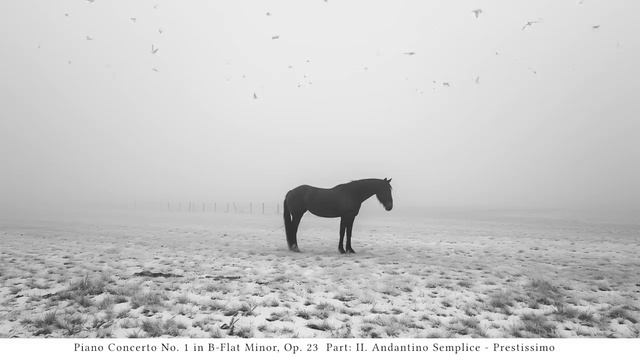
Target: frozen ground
(217, 275)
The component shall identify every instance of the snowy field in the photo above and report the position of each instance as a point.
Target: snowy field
(139, 274)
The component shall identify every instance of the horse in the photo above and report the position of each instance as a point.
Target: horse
(341, 201)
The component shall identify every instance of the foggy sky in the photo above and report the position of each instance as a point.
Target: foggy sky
(553, 121)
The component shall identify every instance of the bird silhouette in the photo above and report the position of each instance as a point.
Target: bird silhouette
(160, 31)
(154, 69)
(154, 49)
(530, 23)
(255, 97)
(446, 84)
(410, 53)
(133, 19)
(477, 12)
(477, 79)
(268, 14)
(595, 27)
(89, 37)
(275, 37)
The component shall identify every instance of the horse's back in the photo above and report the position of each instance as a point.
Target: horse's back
(332, 202)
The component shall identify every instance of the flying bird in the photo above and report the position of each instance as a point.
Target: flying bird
(529, 24)
(89, 37)
(477, 12)
(154, 49)
(133, 19)
(446, 84)
(477, 79)
(255, 97)
(160, 31)
(268, 14)
(91, 1)
(154, 69)
(275, 37)
(595, 27)
(66, 14)
(410, 53)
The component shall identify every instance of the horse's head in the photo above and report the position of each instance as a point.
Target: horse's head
(384, 194)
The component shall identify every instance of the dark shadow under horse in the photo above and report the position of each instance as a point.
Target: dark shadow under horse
(341, 201)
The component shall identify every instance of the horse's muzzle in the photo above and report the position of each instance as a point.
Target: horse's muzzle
(388, 206)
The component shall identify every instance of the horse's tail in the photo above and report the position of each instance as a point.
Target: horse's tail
(288, 225)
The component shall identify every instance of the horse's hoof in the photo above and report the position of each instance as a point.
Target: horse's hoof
(350, 251)
(341, 251)
(294, 248)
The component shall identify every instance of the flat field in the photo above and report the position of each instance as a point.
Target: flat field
(221, 275)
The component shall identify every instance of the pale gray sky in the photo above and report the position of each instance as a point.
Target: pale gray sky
(553, 121)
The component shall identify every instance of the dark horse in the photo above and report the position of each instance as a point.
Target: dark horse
(341, 201)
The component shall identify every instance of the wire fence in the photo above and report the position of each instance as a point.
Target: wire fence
(230, 207)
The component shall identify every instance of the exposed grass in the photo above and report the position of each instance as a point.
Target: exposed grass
(153, 328)
(45, 324)
(320, 325)
(543, 292)
(501, 301)
(146, 299)
(303, 314)
(106, 302)
(72, 323)
(88, 286)
(538, 325)
(621, 312)
(248, 309)
(125, 290)
(244, 332)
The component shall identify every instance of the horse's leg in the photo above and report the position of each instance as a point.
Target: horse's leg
(349, 225)
(343, 225)
(294, 231)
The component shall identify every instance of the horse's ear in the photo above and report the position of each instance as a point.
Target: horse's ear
(388, 180)
(385, 179)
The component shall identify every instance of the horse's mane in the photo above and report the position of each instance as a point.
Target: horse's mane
(369, 180)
